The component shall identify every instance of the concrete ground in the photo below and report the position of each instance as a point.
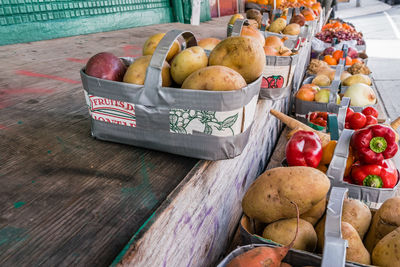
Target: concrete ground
(380, 24)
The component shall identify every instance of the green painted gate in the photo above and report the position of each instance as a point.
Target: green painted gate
(33, 20)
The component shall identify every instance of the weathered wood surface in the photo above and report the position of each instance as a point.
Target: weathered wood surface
(65, 198)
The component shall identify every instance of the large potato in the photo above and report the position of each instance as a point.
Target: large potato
(357, 214)
(187, 62)
(283, 232)
(214, 78)
(355, 251)
(242, 54)
(152, 42)
(136, 72)
(269, 197)
(315, 213)
(387, 252)
(385, 220)
(208, 43)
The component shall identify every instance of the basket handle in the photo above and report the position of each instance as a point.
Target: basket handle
(335, 85)
(344, 104)
(264, 21)
(334, 253)
(339, 159)
(152, 95)
(238, 25)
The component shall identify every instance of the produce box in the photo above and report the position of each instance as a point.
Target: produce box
(336, 174)
(279, 70)
(251, 230)
(202, 124)
(294, 257)
(302, 107)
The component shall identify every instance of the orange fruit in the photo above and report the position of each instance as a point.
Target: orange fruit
(337, 55)
(355, 60)
(330, 60)
(348, 60)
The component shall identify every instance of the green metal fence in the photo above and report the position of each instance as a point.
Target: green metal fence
(33, 20)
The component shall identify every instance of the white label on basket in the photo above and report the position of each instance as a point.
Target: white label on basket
(187, 121)
(111, 111)
(276, 76)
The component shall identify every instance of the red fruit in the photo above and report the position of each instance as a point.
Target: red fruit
(357, 121)
(105, 66)
(370, 111)
(351, 52)
(320, 121)
(349, 113)
(313, 116)
(371, 120)
(323, 115)
(347, 125)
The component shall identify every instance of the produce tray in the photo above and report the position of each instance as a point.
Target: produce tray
(195, 123)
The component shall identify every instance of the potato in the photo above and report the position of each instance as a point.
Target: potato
(283, 232)
(136, 72)
(315, 213)
(357, 214)
(214, 78)
(208, 43)
(269, 197)
(355, 251)
(151, 43)
(241, 54)
(187, 62)
(385, 220)
(277, 25)
(255, 15)
(387, 252)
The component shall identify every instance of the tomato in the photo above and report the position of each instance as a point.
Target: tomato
(370, 111)
(357, 121)
(313, 116)
(371, 120)
(323, 115)
(320, 121)
(349, 113)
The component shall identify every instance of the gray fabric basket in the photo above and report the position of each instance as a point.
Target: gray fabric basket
(302, 108)
(273, 64)
(334, 254)
(160, 113)
(336, 172)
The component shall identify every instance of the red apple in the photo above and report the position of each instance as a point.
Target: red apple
(106, 66)
(351, 52)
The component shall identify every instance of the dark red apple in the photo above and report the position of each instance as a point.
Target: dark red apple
(299, 19)
(106, 66)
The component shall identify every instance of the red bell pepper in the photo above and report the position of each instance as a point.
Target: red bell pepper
(374, 143)
(304, 149)
(374, 175)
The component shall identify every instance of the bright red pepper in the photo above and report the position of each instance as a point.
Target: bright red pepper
(304, 149)
(374, 143)
(374, 175)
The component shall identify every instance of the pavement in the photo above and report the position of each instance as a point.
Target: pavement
(381, 30)
(349, 9)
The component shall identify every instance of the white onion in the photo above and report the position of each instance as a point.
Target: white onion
(361, 95)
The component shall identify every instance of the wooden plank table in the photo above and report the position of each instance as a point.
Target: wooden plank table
(69, 200)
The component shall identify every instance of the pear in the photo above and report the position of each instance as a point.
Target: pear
(277, 25)
(322, 96)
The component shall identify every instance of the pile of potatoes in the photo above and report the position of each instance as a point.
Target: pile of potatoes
(232, 64)
(268, 202)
